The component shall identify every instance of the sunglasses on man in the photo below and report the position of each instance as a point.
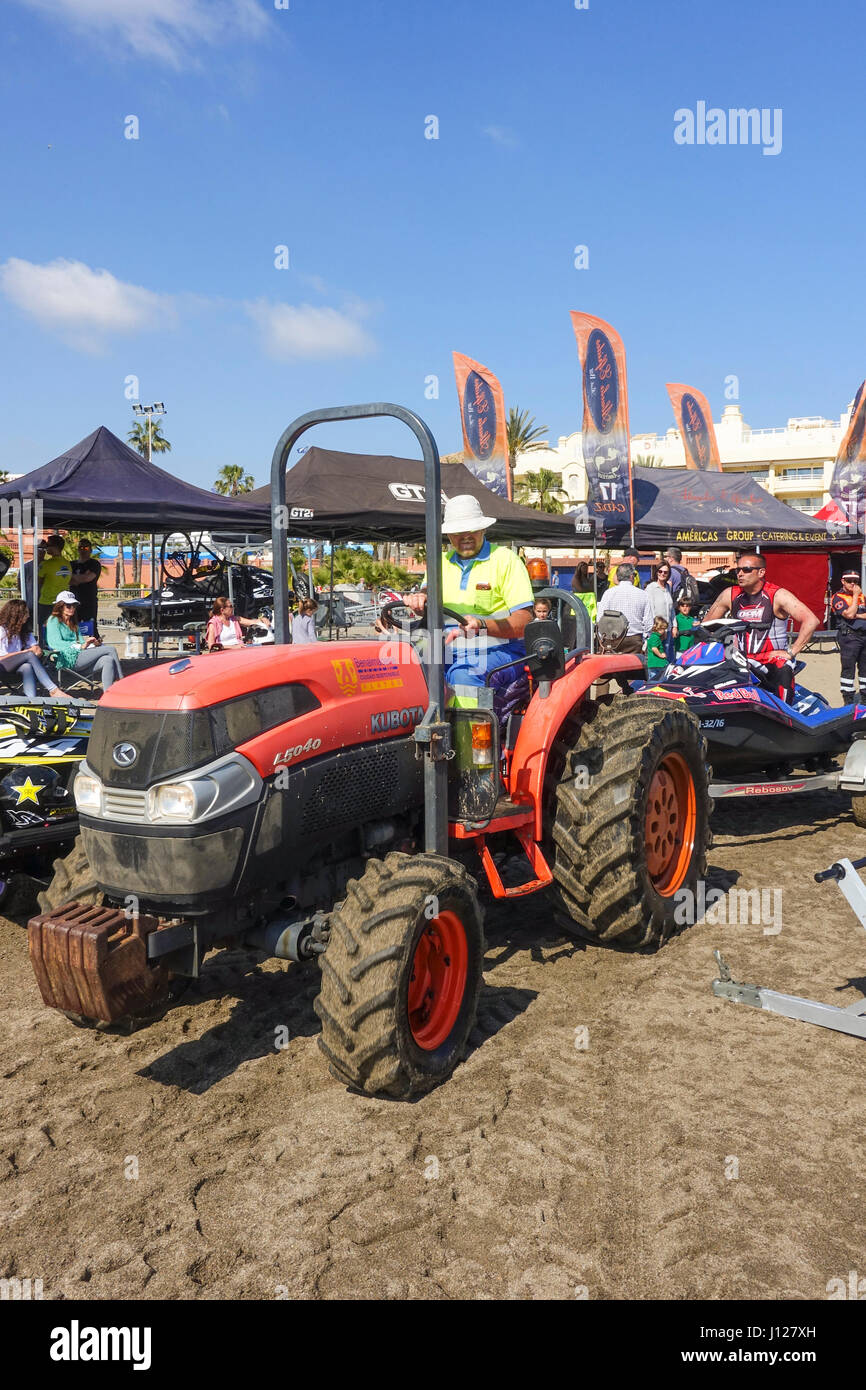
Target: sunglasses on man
(748, 569)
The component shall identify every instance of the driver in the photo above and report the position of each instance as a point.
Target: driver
(491, 586)
(766, 607)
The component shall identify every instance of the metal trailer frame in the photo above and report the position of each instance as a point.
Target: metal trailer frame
(852, 1019)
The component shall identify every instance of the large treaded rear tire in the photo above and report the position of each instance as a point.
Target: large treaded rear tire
(603, 886)
(369, 969)
(73, 879)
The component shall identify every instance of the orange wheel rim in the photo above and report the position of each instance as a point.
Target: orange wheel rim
(671, 823)
(438, 980)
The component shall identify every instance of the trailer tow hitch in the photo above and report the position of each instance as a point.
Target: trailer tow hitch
(852, 1019)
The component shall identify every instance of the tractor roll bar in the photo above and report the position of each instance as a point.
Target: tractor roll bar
(434, 731)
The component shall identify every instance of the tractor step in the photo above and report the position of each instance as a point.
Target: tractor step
(92, 961)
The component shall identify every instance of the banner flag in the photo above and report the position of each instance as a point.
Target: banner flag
(847, 483)
(482, 414)
(605, 421)
(695, 423)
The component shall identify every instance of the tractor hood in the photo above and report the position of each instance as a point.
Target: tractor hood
(332, 671)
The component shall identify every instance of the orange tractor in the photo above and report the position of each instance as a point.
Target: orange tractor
(322, 803)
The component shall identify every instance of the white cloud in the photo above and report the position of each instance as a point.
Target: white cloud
(307, 332)
(168, 30)
(501, 135)
(83, 305)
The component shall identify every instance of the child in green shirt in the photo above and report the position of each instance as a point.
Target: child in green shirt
(683, 624)
(656, 647)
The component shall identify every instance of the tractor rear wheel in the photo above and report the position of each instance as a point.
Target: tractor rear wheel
(401, 975)
(631, 822)
(73, 880)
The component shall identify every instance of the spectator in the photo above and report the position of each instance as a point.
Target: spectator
(659, 595)
(632, 557)
(85, 583)
(634, 605)
(581, 587)
(54, 576)
(656, 647)
(225, 629)
(19, 650)
(75, 652)
(304, 622)
(601, 579)
(683, 624)
(541, 608)
(673, 555)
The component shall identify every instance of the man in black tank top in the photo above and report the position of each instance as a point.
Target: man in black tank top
(766, 608)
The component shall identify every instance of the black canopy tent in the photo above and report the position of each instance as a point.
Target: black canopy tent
(377, 497)
(717, 511)
(101, 482)
(730, 511)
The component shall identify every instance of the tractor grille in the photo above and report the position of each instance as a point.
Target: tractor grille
(359, 787)
(120, 804)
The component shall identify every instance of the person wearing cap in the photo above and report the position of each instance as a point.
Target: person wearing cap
(490, 586)
(54, 576)
(74, 651)
(849, 605)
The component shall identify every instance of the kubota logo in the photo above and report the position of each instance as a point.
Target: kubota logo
(395, 719)
(124, 754)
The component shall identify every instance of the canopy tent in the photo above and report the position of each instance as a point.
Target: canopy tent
(718, 511)
(377, 497)
(101, 482)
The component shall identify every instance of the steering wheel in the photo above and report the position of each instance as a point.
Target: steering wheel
(415, 624)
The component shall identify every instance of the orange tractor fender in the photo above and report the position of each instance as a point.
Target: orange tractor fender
(545, 717)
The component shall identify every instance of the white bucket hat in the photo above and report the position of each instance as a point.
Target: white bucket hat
(464, 513)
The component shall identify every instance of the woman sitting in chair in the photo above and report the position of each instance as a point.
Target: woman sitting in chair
(19, 650)
(84, 655)
(224, 630)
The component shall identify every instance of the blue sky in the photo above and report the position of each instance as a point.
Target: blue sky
(305, 127)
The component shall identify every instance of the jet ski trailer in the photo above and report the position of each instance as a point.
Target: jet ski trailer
(851, 1019)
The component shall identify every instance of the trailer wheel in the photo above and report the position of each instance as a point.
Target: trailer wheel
(858, 807)
(73, 879)
(631, 822)
(401, 975)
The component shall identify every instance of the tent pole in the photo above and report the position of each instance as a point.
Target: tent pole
(331, 600)
(310, 569)
(21, 562)
(153, 636)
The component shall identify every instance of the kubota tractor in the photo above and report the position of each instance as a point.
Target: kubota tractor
(321, 801)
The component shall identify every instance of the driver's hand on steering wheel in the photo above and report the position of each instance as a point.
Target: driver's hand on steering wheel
(417, 602)
(468, 628)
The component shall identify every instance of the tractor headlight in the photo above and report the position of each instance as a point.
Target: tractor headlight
(181, 801)
(88, 794)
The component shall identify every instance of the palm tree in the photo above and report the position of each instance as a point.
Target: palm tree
(232, 480)
(647, 461)
(137, 437)
(539, 490)
(523, 436)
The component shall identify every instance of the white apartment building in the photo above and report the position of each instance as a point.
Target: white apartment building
(794, 461)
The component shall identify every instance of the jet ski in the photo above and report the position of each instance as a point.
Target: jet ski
(765, 732)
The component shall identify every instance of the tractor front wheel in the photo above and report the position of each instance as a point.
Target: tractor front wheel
(401, 975)
(631, 828)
